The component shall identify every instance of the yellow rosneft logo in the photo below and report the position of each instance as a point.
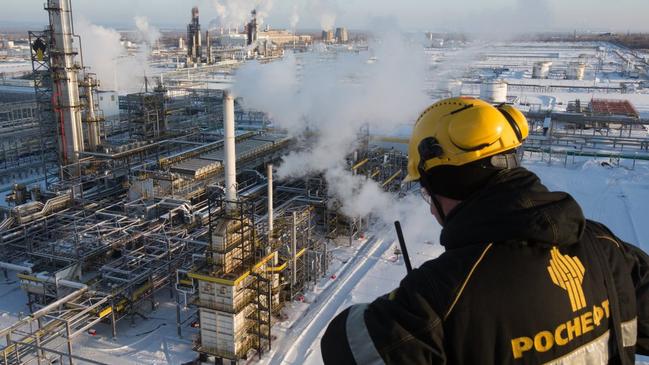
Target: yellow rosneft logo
(568, 273)
(564, 333)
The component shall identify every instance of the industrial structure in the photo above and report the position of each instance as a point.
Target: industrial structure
(328, 36)
(194, 48)
(252, 29)
(541, 70)
(175, 195)
(341, 35)
(203, 221)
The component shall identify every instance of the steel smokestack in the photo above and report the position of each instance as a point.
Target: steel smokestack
(230, 156)
(270, 201)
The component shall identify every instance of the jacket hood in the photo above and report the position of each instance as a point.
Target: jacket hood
(514, 206)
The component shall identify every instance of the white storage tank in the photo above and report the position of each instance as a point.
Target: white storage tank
(541, 70)
(493, 91)
(575, 71)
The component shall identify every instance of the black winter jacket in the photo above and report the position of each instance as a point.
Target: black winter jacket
(525, 279)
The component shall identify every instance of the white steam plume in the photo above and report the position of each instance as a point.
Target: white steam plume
(104, 53)
(234, 13)
(327, 10)
(146, 32)
(327, 21)
(295, 17)
(336, 99)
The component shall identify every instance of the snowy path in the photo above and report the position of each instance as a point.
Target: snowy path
(296, 347)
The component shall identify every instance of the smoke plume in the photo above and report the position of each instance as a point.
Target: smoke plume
(234, 13)
(295, 17)
(336, 98)
(146, 32)
(103, 52)
(327, 10)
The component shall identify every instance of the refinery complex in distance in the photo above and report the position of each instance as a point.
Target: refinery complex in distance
(172, 205)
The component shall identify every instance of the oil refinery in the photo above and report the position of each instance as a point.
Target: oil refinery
(162, 206)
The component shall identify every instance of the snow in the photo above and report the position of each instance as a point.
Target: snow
(13, 304)
(141, 341)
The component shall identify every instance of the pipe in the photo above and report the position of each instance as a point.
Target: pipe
(269, 170)
(54, 305)
(230, 156)
(14, 267)
(294, 250)
(53, 280)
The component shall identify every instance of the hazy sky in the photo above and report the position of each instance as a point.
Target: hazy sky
(495, 16)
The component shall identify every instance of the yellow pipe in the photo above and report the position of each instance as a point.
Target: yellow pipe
(105, 312)
(29, 277)
(282, 267)
(234, 282)
(361, 163)
(186, 282)
(139, 291)
(301, 252)
(389, 180)
(390, 139)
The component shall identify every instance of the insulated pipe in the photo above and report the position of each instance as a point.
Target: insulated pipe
(14, 267)
(230, 156)
(270, 201)
(50, 307)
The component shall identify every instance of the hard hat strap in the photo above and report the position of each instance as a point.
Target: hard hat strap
(512, 123)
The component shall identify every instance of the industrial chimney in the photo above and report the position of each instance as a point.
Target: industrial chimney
(230, 156)
(269, 172)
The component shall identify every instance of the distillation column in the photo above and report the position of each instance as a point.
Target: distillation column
(91, 119)
(65, 81)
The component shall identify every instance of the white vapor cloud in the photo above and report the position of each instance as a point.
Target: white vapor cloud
(336, 98)
(235, 13)
(104, 54)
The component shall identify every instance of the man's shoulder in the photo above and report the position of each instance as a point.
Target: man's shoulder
(456, 259)
(447, 272)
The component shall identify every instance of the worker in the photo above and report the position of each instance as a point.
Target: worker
(524, 279)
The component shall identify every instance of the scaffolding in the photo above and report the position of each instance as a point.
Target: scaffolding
(43, 86)
(234, 283)
(146, 114)
(21, 142)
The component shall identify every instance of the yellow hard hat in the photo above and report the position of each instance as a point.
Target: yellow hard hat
(458, 131)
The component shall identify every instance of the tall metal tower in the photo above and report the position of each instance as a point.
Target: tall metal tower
(194, 52)
(65, 85)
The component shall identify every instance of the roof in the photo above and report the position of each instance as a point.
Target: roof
(613, 107)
